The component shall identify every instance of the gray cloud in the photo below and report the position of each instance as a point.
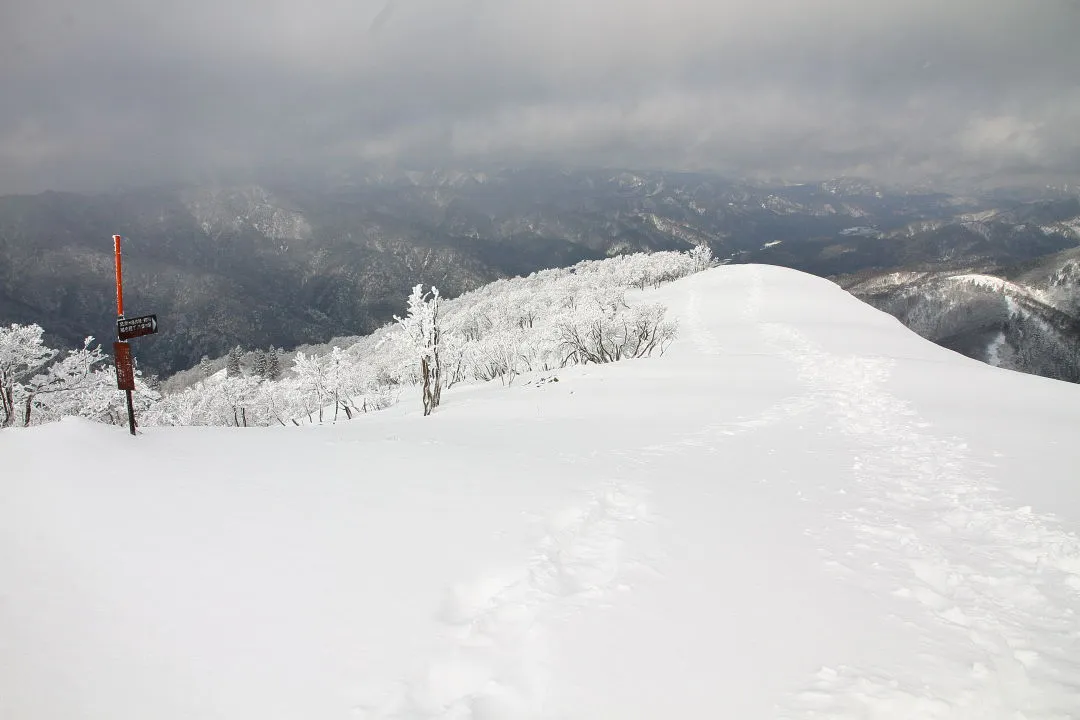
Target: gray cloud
(126, 91)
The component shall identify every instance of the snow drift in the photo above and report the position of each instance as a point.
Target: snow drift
(802, 510)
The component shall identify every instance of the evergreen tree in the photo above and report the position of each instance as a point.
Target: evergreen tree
(273, 364)
(205, 367)
(261, 359)
(232, 363)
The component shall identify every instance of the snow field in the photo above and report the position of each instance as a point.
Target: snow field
(801, 510)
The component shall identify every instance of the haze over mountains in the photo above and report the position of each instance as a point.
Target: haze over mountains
(286, 262)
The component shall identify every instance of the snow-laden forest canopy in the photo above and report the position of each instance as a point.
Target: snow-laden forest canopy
(548, 320)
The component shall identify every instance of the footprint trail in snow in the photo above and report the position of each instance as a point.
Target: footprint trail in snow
(495, 659)
(998, 586)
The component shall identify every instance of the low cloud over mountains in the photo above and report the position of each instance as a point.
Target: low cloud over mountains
(124, 93)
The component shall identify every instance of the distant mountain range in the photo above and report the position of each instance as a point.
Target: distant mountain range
(300, 261)
(1023, 317)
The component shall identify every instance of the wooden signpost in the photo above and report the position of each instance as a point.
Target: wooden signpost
(127, 328)
(125, 371)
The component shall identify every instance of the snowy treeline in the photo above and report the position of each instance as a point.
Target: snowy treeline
(38, 384)
(548, 320)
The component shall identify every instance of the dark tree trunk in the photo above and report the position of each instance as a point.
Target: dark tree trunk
(7, 395)
(425, 373)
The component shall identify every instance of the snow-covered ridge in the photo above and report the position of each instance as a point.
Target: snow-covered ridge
(889, 281)
(1068, 275)
(862, 231)
(921, 226)
(1000, 285)
(790, 514)
(679, 230)
(1069, 228)
(546, 321)
(989, 282)
(978, 217)
(232, 209)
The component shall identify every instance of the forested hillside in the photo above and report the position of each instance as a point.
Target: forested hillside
(295, 261)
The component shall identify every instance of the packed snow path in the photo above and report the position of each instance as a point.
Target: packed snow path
(801, 511)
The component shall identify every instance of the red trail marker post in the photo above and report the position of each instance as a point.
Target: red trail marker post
(125, 330)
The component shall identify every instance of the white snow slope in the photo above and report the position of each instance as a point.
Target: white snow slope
(802, 510)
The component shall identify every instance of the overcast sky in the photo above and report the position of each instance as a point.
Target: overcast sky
(126, 91)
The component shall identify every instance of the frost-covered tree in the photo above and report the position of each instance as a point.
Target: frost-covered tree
(500, 354)
(313, 377)
(205, 368)
(105, 403)
(420, 329)
(701, 257)
(63, 387)
(238, 393)
(550, 319)
(22, 355)
(347, 378)
(604, 328)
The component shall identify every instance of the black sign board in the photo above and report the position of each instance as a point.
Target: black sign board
(127, 328)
